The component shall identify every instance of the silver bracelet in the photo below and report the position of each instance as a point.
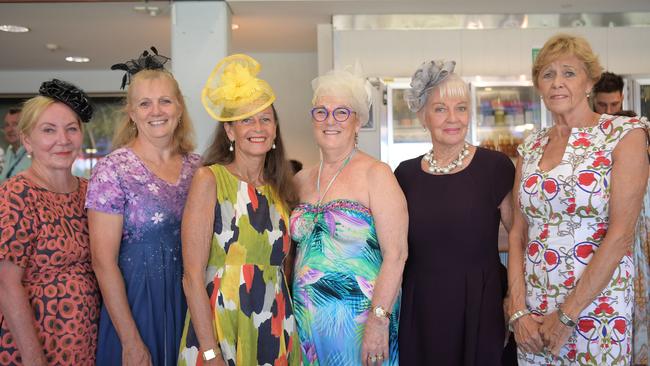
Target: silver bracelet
(518, 315)
(565, 319)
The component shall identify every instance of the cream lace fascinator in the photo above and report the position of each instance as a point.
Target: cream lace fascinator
(233, 92)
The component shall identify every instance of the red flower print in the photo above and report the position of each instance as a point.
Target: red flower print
(536, 145)
(572, 355)
(584, 250)
(533, 249)
(599, 234)
(544, 305)
(585, 325)
(586, 179)
(544, 234)
(606, 124)
(601, 160)
(604, 307)
(531, 181)
(571, 209)
(550, 186)
(581, 142)
(551, 258)
(620, 326)
(569, 281)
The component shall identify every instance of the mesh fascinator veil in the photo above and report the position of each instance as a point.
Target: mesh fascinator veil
(425, 78)
(233, 92)
(349, 84)
(146, 61)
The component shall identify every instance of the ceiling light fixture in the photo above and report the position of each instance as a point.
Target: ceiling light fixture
(13, 28)
(234, 26)
(77, 59)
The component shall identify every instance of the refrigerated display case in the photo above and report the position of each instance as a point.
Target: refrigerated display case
(504, 112)
(639, 91)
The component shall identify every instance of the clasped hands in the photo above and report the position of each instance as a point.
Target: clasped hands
(535, 333)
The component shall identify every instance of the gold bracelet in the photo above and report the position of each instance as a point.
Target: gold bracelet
(518, 315)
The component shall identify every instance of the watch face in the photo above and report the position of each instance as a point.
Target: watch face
(380, 313)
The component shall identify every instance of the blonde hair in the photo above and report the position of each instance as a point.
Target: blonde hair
(452, 86)
(563, 44)
(125, 133)
(33, 109)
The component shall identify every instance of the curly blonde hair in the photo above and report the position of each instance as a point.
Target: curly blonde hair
(563, 44)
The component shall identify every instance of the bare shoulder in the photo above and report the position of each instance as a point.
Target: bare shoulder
(374, 169)
(203, 178)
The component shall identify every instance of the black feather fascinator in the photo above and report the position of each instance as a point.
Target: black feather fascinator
(146, 61)
(69, 95)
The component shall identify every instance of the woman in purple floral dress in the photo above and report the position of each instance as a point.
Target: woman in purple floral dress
(135, 203)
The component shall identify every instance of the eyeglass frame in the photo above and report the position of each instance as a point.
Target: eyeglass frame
(328, 113)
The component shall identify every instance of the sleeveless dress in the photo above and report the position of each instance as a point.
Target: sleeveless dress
(567, 209)
(46, 234)
(640, 331)
(337, 261)
(245, 281)
(452, 290)
(150, 251)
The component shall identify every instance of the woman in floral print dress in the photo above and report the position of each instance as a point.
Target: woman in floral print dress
(579, 186)
(135, 203)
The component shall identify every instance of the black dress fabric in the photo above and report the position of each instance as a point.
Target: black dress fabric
(452, 307)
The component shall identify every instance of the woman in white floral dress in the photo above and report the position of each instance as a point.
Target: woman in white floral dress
(579, 186)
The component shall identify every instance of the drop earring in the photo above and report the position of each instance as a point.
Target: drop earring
(273, 146)
(231, 148)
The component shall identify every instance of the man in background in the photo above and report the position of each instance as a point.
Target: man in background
(15, 158)
(608, 94)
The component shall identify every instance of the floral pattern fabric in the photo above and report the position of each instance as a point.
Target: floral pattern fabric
(245, 281)
(150, 251)
(46, 234)
(338, 259)
(567, 209)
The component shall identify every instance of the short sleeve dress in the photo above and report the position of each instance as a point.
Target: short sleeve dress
(452, 292)
(46, 234)
(150, 252)
(567, 209)
(245, 280)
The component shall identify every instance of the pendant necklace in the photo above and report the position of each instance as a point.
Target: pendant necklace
(329, 185)
(433, 163)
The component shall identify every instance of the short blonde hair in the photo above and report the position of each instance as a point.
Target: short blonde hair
(563, 44)
(125, 133)
(33, 109)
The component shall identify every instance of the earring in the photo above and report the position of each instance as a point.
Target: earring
(273, 146)
(356, 140)
(231, 148)
(29, 155)
(588, 93)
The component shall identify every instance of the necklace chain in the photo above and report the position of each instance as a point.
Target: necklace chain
(329, 185)
(433, 163)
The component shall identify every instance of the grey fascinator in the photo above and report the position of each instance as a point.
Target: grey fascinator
(427, 76)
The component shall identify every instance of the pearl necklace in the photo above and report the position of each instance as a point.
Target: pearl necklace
(433, 163)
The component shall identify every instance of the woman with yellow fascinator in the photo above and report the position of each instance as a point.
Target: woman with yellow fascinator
(235, 235)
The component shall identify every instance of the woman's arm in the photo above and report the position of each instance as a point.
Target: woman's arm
(390, 214)
(196, 235)
(105, 239)
(628, 185)
(526, 328)
(19, 314)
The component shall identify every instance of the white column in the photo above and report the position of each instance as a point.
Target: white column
(200, 38)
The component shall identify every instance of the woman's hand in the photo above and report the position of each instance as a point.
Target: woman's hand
(527, 333)
(136, 354)
(374, 347)
(554, 333)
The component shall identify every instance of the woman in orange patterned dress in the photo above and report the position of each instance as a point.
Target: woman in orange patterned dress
(49, 300)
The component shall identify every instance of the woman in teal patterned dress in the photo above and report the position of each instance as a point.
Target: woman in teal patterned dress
(351, 234)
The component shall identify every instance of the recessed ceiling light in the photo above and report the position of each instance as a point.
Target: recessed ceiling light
(77, 59)
(13, 28)
(234, 26)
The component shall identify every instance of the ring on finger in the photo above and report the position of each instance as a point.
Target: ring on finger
(372, 358)
(380, 357)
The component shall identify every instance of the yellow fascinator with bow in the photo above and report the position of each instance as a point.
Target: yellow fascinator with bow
(233, 92)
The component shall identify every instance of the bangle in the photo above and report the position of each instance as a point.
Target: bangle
(518, 315)
(565, 319)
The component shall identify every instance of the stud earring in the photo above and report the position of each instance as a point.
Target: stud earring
(231, 148)
(273, 146)
(29, 155)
